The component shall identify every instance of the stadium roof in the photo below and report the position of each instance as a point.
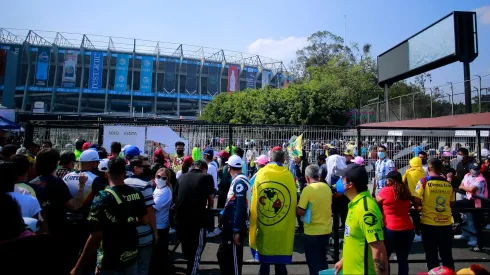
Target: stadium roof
(138, 46)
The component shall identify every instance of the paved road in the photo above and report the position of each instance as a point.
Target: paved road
(460, 251)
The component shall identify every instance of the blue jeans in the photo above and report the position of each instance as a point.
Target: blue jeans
(399, 242)
(316, 252)
(144, 259)
(128, 271)
(265, 269)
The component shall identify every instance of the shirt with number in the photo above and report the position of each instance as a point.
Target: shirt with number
(115, 211)
(364, 225)
(319, 195)
(437, 194)
(383, 167)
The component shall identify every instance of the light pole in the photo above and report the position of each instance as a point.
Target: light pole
(479, 94)
(452, 98)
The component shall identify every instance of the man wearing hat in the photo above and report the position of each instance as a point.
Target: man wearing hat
(78, 223)
(475, 185)
(364, 251)
(348, 155)
(234, 219)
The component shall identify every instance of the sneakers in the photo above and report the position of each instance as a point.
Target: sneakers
(214, 233)
(459, 237)
(171, 231)
(417, 238)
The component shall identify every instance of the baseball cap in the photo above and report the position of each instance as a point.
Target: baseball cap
(66, 157)
(395, 175)
(209, 152)
(235, 161)
(89, 155)
(158, 152)
(348, 153)
(103, 165)
(131, 152)
(86, 145)
(354, 173)
(474, 166)
(223, 154)
(262, 160)
(188, 160)
(359, 160)
(276, 148)
(440, 270)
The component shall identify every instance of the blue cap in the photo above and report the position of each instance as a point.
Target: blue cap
(131, 152)
(474, 166)
(209, 152)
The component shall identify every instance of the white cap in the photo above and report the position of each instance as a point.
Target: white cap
(235, 161)
(89, 155)
(103, 165)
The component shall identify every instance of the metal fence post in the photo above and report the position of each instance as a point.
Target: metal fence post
(359, 142)
(400, 111)
(430, 102)
(29, 133)
(452, 99)
(413, 105)
(100, 139)
(230, 137)
(478, 148)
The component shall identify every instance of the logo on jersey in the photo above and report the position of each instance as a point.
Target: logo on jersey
(370, 219)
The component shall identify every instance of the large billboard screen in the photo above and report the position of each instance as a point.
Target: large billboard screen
(448, 40)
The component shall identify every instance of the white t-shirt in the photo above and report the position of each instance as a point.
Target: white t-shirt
(163, 201)
(213, 171)
(178, 174)
(29, 206)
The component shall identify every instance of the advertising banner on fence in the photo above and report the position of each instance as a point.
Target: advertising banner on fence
(146, 74)
(233, 78)
(251, 80)
(213, 80)
(131, 135)
(121, 79)
(42, 66)
(169, 83)
(166, 137)
(96, 68)
(265, 79)
(191, 81)
(69, 76)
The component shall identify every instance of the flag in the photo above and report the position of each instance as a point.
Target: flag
(295, 147)
(273, 215)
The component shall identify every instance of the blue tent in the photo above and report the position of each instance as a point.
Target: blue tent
(6, 124)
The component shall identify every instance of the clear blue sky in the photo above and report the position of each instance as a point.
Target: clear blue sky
(271, 28)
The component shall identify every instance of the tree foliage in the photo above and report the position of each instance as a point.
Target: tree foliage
(330, 79)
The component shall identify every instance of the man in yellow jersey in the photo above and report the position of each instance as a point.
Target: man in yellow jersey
(364, 251)
(438, 197)
(315, 205)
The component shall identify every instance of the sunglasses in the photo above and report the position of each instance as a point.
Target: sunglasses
(161, 177)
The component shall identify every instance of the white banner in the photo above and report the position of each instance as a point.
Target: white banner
(125, 135)
(167, 137)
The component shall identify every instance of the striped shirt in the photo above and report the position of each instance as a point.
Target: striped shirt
(145, 232)
(383, 167)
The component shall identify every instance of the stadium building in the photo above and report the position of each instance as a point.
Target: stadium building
(55, 72)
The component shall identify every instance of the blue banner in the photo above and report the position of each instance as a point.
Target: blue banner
(121, 80)
(250, 80)
(42, 66)
(213, 80)
(169, 83)
(191, 82)
(96, 68)
(146, 74)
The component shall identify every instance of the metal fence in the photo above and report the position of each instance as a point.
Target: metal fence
(436, 101)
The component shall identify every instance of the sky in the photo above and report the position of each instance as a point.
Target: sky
(272, 28)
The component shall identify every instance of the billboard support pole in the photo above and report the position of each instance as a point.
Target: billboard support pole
(387, 111)
(467, 87)
(56, 55)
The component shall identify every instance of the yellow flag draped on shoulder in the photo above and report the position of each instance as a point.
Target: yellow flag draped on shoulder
(273, 215)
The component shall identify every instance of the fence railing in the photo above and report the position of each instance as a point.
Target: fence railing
(436, 101)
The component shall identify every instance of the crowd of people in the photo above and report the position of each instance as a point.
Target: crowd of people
(113, 212)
